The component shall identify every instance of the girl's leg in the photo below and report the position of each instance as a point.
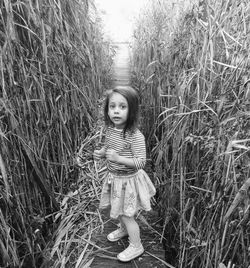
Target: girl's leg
(135, 247)
(122, 225)
(133, 230)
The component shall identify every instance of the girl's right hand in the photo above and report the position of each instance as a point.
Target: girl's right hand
(97, 154)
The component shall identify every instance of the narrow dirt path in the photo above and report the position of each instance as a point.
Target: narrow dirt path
(153, 257)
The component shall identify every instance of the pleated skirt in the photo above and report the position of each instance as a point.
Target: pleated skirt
(127, 194)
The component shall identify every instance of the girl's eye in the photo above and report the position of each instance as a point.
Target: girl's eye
(111, 106)
(123, 106)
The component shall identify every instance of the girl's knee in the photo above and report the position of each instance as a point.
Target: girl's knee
(126, 218)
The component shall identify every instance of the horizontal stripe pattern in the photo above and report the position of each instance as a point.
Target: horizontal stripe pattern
(132, 146)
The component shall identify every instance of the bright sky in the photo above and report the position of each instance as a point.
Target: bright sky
(118, 16)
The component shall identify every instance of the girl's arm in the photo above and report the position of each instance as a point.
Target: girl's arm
(112, 155)
(139, 150)
(139, 153)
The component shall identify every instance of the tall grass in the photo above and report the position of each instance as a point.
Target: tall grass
(53, 67)
(73, 244)
(194, 74)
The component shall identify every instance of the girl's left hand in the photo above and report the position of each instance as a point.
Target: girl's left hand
(112, 155)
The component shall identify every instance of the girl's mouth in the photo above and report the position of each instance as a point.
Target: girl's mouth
(116, 118)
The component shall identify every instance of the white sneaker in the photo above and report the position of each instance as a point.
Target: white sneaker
(130, 253)
(117, 234)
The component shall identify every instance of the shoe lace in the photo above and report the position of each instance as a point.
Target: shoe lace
(121, 230)
(130, 249)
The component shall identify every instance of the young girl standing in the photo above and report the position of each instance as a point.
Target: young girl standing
(127, 187)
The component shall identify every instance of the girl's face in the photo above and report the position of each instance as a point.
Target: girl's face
(118, 110)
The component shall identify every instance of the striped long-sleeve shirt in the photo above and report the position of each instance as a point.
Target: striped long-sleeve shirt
(132, 146)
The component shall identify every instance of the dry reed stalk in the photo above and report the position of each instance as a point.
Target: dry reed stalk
(78, 220)
(79, 260)
(240, 196)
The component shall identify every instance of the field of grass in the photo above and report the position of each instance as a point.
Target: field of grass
(191, 67)
(54, 64)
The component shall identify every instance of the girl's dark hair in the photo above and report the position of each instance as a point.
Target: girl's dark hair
(132, 98)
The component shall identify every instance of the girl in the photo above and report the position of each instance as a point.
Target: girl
(127, 188)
